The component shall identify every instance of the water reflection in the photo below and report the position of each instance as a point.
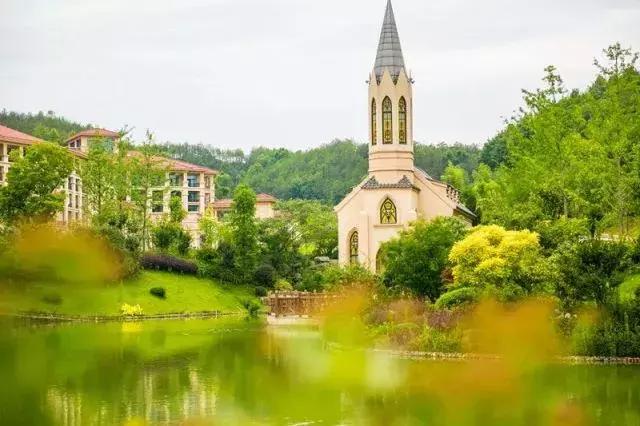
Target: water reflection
(231, 371)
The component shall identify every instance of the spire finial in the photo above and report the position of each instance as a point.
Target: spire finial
(389, 50)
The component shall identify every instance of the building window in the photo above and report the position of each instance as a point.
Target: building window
(70, 184)
(207, 199)
(1, 174)
(207, 182)
(402, 120)
(194, 196)
(10, 149)
(193, 181)
(176, 194)
(157, 201)
(175, 179)
(388, 213)
(353, 247)
(374, 123)
(387, 121)
(194, 208)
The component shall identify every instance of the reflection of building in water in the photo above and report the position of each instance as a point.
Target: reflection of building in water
(157, 397)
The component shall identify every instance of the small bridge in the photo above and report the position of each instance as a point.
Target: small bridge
(299, 303)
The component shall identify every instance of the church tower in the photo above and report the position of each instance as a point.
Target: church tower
(394, 193)
(390, 106)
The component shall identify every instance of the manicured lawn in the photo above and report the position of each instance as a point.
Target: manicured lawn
(183, 294)
(629, 286)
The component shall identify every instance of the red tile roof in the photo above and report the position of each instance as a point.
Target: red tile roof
(177, 165)
(11, 135)
(183, 166)
(96, 133)
(266, 198)
(225, 203)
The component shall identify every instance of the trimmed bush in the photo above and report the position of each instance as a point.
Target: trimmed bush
(165, 262)
(261, 292)
(458, 297)
(158, 292)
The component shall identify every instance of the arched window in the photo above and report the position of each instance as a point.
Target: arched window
(387, 121)
(353, 247)
(402, 120)
(388, 213)
(374, 123)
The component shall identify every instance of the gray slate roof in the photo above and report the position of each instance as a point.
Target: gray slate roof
(403, 183)
(389, 50)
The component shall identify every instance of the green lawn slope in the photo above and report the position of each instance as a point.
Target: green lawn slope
(184, 294)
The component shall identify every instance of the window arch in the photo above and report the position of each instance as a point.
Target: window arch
(402, 120)
(388, 212)
(374, 122)
(387, 121)
(354, 247)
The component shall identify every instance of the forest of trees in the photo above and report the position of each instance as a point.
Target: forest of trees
(326, 173)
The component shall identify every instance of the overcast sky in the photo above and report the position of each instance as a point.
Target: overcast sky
(291, 73)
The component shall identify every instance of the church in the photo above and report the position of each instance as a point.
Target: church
(395, 191)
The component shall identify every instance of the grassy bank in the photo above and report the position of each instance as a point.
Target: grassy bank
(183, 294)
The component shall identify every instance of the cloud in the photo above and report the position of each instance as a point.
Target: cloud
(241, 73)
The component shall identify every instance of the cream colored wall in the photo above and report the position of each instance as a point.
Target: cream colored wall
(264, 210)
(207, 194)
(394, 156)
(362, 212)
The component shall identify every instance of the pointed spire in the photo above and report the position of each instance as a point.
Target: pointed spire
(389, 50)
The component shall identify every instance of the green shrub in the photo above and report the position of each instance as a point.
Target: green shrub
(459, 297)
(158, 292)
(283, 285)
(252, 307)
(433, 340)
(260, 291)
(265, 275)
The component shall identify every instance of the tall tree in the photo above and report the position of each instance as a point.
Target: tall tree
(245, 231)
(34, 184)
(148, 171)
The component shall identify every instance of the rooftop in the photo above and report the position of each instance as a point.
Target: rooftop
(225, 203)
(389, 56)
(95, 133)
(177, 165)
(10, 135)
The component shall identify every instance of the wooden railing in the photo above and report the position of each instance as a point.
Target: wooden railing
(299, 303)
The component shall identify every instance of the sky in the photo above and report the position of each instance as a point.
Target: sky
(291, 73)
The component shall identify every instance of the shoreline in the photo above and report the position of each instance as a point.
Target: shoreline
(46, 317)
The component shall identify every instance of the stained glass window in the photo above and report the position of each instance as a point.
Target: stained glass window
(402, 120)
(387, 123)
(374, 123)
(353, 247)
(388, 213)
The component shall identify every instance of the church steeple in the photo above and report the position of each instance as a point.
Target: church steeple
(389, 54)
(390, 106)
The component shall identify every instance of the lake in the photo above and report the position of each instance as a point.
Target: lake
(234, 371)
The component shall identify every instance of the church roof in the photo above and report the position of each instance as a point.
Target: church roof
(403, 183)
(389, 50)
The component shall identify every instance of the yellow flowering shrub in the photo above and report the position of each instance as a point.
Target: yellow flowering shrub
(493, 258)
